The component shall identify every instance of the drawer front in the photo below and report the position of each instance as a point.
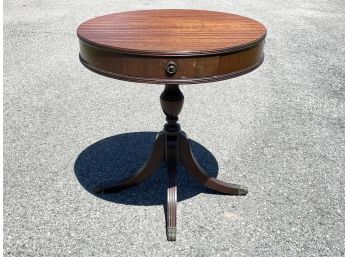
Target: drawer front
(171, 70)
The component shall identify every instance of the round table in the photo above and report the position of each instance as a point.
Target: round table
(172, 47)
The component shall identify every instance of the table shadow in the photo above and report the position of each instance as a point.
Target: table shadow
(114, 158)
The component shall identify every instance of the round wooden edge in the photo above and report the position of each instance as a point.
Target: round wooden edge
(172, 81)
(173, 54)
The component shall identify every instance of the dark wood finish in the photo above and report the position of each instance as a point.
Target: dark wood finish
(172, 162)
(172, 147)
(144, 172)
(204, 46)
(171, 32)
(190, 163)
(191, 70)
(172, 101)
(172, 47)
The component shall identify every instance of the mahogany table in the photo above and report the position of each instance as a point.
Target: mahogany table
(172, 47)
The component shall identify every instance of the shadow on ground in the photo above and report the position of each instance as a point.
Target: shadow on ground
(114, 158)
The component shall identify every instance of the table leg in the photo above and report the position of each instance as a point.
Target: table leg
(171, 161)
(145, 171)
(172, 146)
(187, 159)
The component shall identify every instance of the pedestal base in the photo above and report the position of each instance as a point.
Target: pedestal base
(172, 147)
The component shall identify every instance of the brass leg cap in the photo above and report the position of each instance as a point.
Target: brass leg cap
(242, 190)
(171, 234)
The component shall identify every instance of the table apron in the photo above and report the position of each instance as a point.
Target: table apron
(152, 69)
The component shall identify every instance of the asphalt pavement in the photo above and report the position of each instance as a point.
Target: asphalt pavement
(278, 130)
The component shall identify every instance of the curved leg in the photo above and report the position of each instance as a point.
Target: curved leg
(190, 163)
(145, 171)
(171, 160)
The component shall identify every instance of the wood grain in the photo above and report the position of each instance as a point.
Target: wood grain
(172, 32)
(191, 70)
(205, 46)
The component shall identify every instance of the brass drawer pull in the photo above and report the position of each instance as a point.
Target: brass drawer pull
(171, 68)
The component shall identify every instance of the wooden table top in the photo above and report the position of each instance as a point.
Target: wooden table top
(189, 38)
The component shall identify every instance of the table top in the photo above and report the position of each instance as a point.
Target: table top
(172, 32)
(163, 36)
